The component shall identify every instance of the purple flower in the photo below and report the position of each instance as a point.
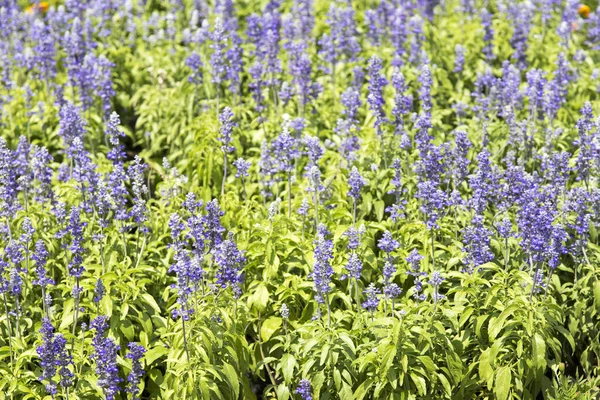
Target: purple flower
(375, 98)
(303, 209)
(402, 101)
(476, 240)
(195, 64)
(301, 69)
(578, 204)
(354, 266)
(396, 181)
(218, 56)
(75, 230)
(504, 228)
(9, 203)
(322, 270)
(399, 29)
(53, 355)
(521, 16)
(235, 63)
(229, 261)
(341, 43)
(356, 183)
(354, 235)
(557, 247)
(538, 281)
(387, 243)
(314, 150)
(585, 157)
(558, 87)
(536, 82)
(459, 58)
(416, 54)
(433, 202)
(426, 82)
(372, 301)
(484, 183)
(242, 167)
(350, 99)
(285, 150)
(460, 159)
(105, 356)
(226, 129)
(212, 228)
(414, 259)
(391, 290)
(44, 50)
(436, 280)
(488, 36)
(135, 354)
(40, 256)
(304, 390)
(256, 85)
(42, 173)
(99, 291)
(535, 218)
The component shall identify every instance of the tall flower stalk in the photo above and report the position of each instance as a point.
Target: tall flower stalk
(225, 131)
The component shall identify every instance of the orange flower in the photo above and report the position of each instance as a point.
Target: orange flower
(41, 7)
(584, 10)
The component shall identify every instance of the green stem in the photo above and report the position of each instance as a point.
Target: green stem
(9, 336)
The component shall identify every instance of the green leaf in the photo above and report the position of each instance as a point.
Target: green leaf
(155, 353)
(269, 327)
(149, 301)
(260, 298)
(283, 393)
(363, 389)
(288, 362)
(539, 353)
(502, 387)
(496, 324)
(379, 209)
(597, 294)
(486, 372)
(420, 383)
(389, 353)
(126, 327)
(232, 377)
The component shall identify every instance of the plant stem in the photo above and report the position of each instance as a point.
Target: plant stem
(357, 294)
(328, 310)
(289, 194)
(139, 257)
(224, 173)
(507, 253)
(262, 354)
(9, 331)
(537, 267)
(244, 188)
(187, 352)
(432, 249)
(316, 201)
(76, 316)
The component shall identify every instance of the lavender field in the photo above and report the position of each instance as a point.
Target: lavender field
(299, 199)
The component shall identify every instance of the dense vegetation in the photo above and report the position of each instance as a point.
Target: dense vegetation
(388, 199)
